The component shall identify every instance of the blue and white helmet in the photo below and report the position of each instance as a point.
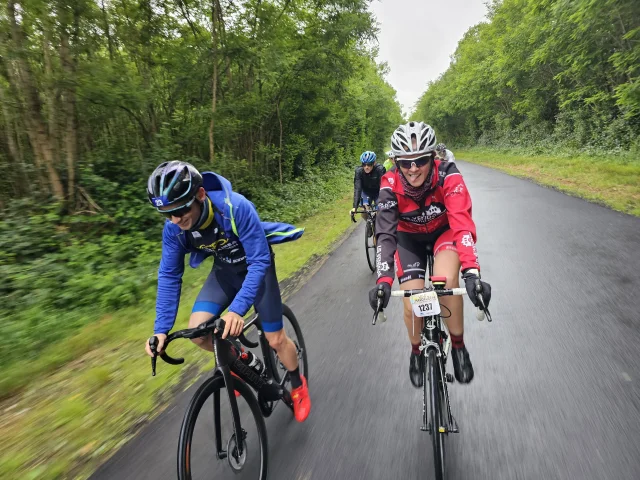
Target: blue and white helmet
(173, 182)
(367, 157)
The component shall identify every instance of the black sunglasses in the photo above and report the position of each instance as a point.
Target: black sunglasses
(419, 162)
(179, 212)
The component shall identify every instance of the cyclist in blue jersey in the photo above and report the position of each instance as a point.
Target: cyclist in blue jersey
(205, 218)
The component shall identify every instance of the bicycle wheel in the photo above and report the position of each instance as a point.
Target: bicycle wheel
(370, 246)
(433, 391)
(201, 436)
(294, 332)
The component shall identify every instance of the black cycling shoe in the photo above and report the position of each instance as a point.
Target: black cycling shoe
(416, 373)
(462, 366)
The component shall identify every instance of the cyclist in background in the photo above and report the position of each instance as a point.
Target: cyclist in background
(444, 154)
(388, 163)
(366, 182)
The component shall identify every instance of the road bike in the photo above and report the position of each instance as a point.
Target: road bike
(435, 346)
(369, 234)
(246, 372)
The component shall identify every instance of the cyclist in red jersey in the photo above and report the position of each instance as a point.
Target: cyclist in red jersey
(424, 203)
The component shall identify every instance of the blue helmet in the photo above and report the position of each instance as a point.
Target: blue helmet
(367, 157)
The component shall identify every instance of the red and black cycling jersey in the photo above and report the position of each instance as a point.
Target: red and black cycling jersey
(447, 206)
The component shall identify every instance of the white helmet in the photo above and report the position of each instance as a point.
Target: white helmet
(390, 154)
(401, 140)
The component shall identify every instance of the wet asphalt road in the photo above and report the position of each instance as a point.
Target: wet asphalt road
(557, 388)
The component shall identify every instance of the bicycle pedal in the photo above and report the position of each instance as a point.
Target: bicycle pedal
(449, 378)
(425, 429)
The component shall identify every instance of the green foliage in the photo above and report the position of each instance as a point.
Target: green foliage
(298, 98)
(543, 74)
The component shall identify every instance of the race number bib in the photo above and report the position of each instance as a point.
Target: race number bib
(425, 304)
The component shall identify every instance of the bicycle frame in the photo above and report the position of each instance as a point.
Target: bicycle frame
(431, 337)
(432, 333)
(228, 361)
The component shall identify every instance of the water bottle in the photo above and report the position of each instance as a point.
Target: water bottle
(253, 361)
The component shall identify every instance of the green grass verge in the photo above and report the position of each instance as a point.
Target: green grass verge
(65, 424)
(611, 181)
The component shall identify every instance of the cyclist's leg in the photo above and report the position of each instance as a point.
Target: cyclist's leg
(213, 298)
(374, 200)
(447, 264)
(410, 266)
(410, 269)
(364, 200)
(269, 306)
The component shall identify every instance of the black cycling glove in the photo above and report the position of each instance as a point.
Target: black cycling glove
(476, 286)
(385, 288)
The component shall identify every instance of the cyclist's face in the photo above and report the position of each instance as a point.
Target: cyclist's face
(368, 167)
(186, 220)
(418, 165)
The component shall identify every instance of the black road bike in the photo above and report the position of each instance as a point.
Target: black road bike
(435, 346)
(369, 234)
(240, 438)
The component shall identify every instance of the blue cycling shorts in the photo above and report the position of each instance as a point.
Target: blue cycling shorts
(224, 283)
(366, 199)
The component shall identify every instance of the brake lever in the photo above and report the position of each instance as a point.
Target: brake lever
(379, 309)
(153, 344)
(483, 307)
(375, 314)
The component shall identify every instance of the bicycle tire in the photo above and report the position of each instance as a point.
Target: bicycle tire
(287, 313)
(433, 390)
(206, 390)
(371, 256)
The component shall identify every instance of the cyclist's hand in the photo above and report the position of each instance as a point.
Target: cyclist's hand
(373, 295)
(475, 286)
(234, 324)
(161, 339)
(352, 213)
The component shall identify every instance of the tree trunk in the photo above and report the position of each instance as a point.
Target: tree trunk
(36, 127)
(280, 147)
(214, 83)
(16, 154)
(107, 30)
(229, 74)
(51, 95)
(69, 105)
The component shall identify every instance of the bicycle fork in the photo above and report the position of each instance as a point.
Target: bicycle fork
(452, 426)
(222, 358)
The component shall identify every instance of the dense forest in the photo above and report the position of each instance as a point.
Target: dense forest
(543, 74)
(279, 96)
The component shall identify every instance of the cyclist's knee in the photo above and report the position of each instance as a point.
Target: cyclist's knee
(413, 284)
(447, 264)
(196, 319)
(200, 341)
(277, 340)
